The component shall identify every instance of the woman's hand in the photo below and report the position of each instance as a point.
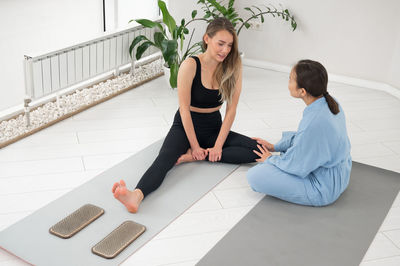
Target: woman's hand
(214, 154)
(199, 153)
(264, 153)
(265, 143)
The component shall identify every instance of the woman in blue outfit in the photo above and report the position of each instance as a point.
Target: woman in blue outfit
(314, 164)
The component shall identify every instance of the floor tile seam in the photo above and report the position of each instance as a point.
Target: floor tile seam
(38, 191)
(379, 259)
(82, 120)
(92, 130)
(246, 205)
(391, 241)
(42, 159)
(106, 154)
(387, 146)
(72, 156)
(374, 131)
(389, 230)
(83, 164)
(36, 145)
(49, 173)
(215, 197)
(372, 142)
(351, 110)
(128, 138)
(128, 128)
(20, 161)
(232, 188)
(356, 158)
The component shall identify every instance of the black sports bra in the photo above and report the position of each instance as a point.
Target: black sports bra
(202, 97)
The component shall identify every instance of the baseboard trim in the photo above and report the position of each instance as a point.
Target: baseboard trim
(332, 77)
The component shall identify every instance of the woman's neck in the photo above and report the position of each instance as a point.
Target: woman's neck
(310, 99)
(209, 61)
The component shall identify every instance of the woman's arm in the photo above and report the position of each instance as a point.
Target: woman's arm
(216, 152)
(186, 73)
(286, 141)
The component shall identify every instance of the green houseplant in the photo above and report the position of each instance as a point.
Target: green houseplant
(171, 41)
(214, 8)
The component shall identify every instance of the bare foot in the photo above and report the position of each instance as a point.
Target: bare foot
(131, 199)
(185, 158)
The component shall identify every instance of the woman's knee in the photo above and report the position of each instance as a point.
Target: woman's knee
(254, 176)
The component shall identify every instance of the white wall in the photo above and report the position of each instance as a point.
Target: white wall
(135, 9)
(354, 38)
(32, 27)
(183, 9)
(394, 77)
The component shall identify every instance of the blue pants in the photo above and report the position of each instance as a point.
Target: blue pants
(270, 180)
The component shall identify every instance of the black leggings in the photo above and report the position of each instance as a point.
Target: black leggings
(237, 148)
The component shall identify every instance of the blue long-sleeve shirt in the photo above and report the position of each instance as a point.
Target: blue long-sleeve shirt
(319, 150)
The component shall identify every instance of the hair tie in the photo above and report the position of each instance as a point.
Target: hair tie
(325, 94)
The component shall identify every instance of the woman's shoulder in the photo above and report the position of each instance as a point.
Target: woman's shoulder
(189, 64)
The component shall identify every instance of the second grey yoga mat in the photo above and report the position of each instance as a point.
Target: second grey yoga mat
(30, 239)
(277, 233)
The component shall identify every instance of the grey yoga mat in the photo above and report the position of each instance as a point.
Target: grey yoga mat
(30, 239)
(276, 233)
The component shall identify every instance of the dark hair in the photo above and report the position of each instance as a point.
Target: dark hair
(312, 76)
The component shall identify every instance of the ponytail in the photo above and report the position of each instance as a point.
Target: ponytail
(332, 104)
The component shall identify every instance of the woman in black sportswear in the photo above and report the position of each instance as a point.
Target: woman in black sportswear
(198, 132)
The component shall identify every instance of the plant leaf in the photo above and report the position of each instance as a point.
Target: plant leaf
(145, 22)
(194, 13)
(142, 48)
(219, 7)
(173, 79)
(137, 40)
(158, 38)
(230, 4)
(169, 49)
(294, 25)
(149, 24)
(167, 18)
(175, 33)
(257, 8)
(249, 9)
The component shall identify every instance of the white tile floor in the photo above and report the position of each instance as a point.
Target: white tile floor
(43, 167)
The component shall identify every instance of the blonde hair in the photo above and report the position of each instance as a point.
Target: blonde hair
(227, 72)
